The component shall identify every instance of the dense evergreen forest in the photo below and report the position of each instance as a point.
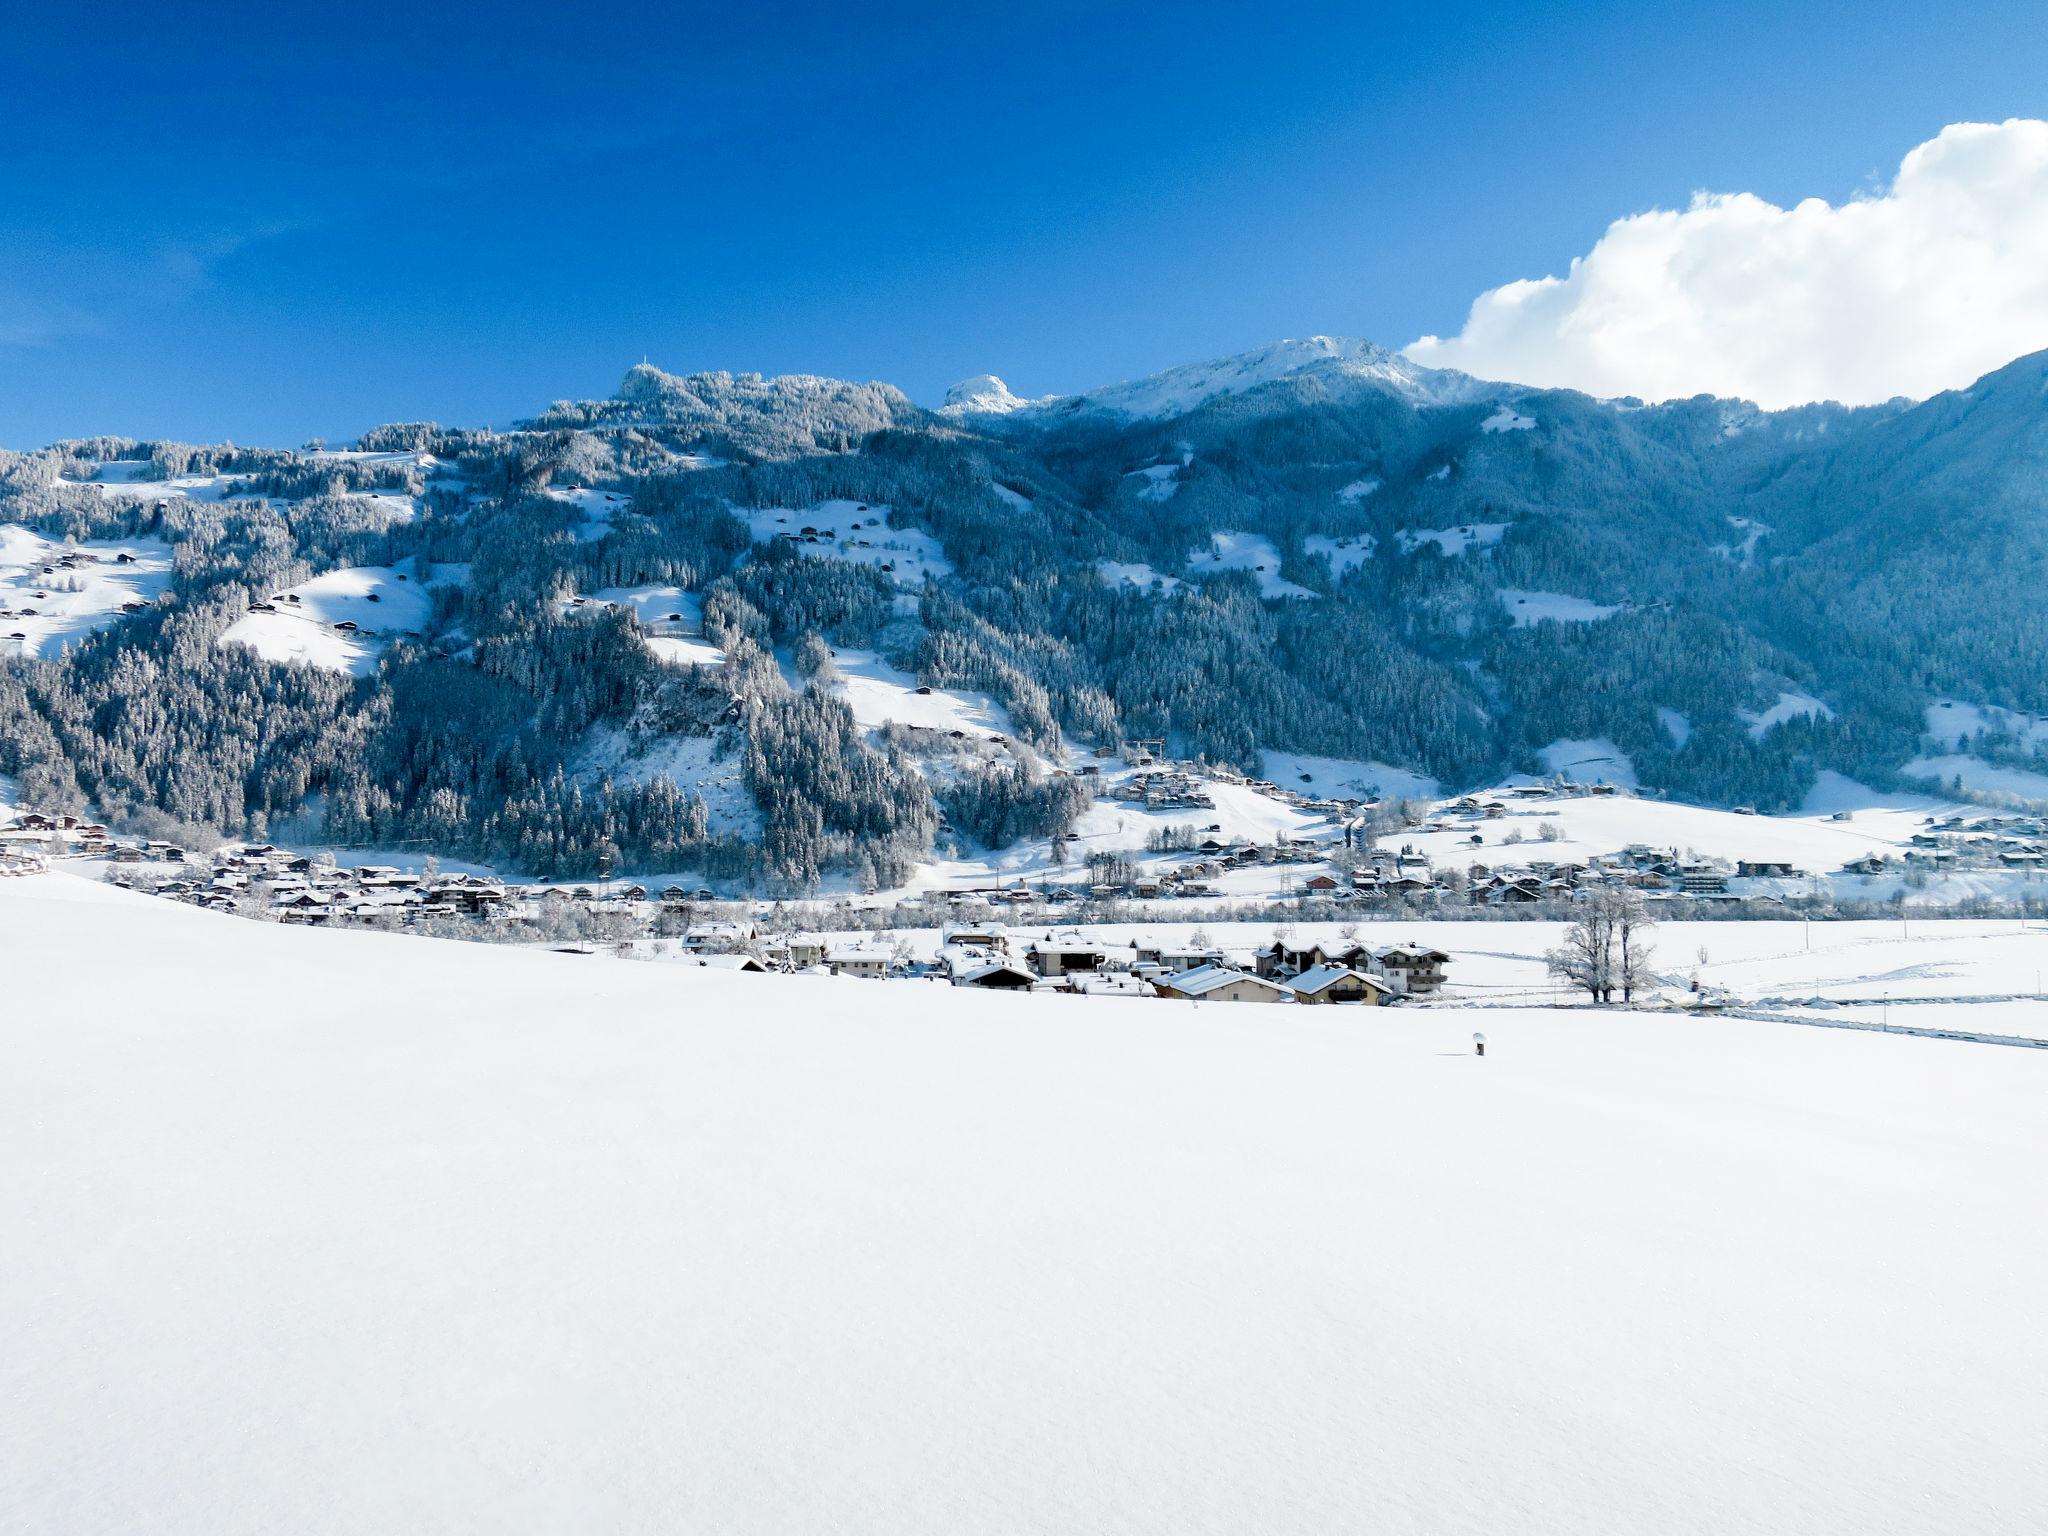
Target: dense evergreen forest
(1314, 565)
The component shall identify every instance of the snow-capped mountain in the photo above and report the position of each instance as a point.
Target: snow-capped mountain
(1334, 359)
(987, 395)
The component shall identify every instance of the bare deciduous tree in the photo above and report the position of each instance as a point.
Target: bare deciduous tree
(1604, 949)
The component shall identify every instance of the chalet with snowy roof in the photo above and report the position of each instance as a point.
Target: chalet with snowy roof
(1339, 984)
(857, 960)
(1064, 956)
(1414, 970)
(995, 976)
(1220, 984)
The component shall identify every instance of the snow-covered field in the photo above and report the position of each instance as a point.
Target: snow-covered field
(879, 694)
(1133, 573)
(1530, 608)
(1344, 554)
(1595, 760)
(1790, 706)
(1452, 541)
(853, 531)
(1973, 773)
(1253, 552)
(331, 1232)
(378, 601)
(1346, 778)
(598, 508)
(47, 605)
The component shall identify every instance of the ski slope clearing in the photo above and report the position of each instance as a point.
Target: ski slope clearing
(340, 621)
(331, 1232)
(1534, 607)
(855, 531)
(1344, 554)
(1254, 552)
(53, 593)
(1451, 541)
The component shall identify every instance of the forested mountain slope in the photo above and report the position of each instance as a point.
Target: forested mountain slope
(529, 645)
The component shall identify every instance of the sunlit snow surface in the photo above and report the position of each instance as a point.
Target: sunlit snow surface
(1530, 608)
(1253, 552)
(852, 531)
(323, 1232)
(380, 601)
(47, 605)
(1452, 541)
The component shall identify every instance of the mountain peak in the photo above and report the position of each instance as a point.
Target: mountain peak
(982, 395)
(1176, 391)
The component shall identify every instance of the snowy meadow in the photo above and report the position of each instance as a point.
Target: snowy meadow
(334, 1231)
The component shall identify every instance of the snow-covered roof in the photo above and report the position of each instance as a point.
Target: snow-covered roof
(1317, 978)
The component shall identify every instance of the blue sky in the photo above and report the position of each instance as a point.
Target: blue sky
(267, 223)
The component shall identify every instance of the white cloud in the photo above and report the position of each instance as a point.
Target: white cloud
(1925, 286)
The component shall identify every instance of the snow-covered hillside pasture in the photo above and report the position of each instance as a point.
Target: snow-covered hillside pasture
(1602, 824)
(331, 1232)
(1344, 554)
(1593, 761)
(1534, 607)
(652, 607)
(855, 531)
(128, 478)
(1974, 774)
(1952, 723)
(598, 508)
(1340, 778)
(1790, 706)
(303, 623)
(1357, 490)
(53, 593)
(1451, 541)
(1505, 420)
(1254, 552)
(879, 694)
(1133, 573)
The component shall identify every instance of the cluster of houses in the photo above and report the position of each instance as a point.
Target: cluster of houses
(32, 838)
(1173, 788)
(1993, 840)
(990, 957)
(294, 888)
(70, 560)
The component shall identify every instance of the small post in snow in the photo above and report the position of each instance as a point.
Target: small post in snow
(1478, 1043)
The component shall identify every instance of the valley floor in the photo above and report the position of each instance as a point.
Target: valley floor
(326, 1231)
